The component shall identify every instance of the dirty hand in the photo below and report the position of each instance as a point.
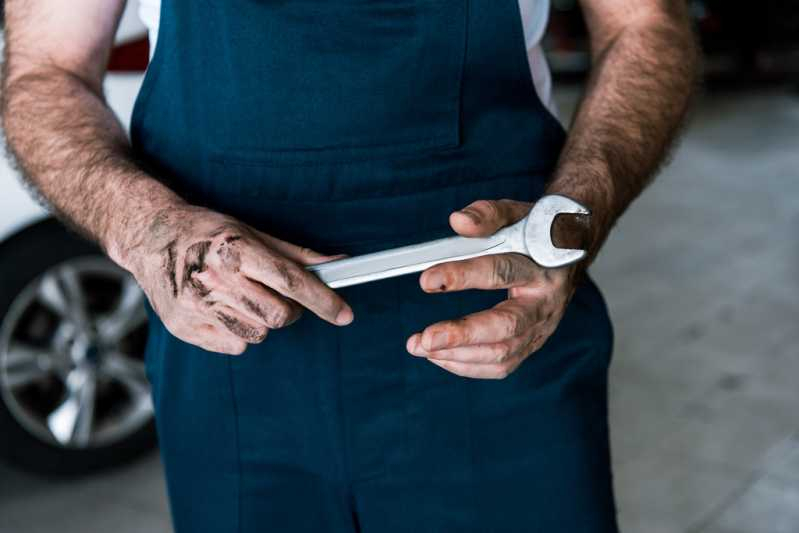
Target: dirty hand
(220, 284)
(491, 344)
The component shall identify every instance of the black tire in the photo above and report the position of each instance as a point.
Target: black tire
(23, 257)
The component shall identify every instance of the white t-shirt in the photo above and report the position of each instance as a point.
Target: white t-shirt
(534, 15)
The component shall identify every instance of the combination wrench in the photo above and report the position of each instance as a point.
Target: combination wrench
(531, 236)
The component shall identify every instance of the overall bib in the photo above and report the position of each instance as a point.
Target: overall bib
(350, 126)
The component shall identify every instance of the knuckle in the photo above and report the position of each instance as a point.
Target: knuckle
(279, 315)
(502, 352)
(241, 329)
(458, 333)
(258, 334)
(295, 312)
(287, 278)
(513, 323)
(504, 271)
(514, 208)
(228, 250)
(438, 337)
(228, 234)
(488, 207)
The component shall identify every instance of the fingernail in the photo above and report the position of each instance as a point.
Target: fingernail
(434, 281)
(437, 341)
(344, 316)
(413, 345)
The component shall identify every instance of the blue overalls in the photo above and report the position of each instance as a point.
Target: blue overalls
(350, 126)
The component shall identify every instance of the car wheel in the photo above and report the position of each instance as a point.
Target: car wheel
(73, 393)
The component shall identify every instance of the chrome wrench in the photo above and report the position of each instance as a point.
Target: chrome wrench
(531, 236)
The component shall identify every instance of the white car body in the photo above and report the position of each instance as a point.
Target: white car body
(18, 209)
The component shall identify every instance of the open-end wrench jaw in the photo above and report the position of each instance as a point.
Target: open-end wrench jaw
(538, 231)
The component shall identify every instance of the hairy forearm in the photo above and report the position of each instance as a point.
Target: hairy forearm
(636, 99)
(72, 150)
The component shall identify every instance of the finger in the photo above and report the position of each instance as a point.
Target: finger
(293, 281)
(327, 259)
(262, 305)
(495, 353)
(485, 217)
(299, 254)
(466, 370)
(237, 324)
(256, 302)
(500, 271)
(214, 339)
(504, 321)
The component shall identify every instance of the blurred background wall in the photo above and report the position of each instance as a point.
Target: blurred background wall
(701, 276)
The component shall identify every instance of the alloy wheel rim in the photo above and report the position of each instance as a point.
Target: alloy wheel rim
(71, 366)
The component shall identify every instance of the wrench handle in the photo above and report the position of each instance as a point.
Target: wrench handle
(406, 259)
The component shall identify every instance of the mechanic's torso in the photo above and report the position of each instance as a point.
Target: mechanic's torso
(346, 111)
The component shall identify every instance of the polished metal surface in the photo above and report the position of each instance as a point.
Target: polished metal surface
(71, 372)
(531, 236)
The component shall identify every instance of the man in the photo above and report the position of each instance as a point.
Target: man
(269, 136)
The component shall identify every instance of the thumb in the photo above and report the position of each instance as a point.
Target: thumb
(486, 217)
(299, 254)
(306, 256)
(316, 258)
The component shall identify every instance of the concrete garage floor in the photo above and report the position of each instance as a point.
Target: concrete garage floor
(702, 278)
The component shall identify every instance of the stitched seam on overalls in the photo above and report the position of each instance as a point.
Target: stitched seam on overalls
(431, 188)
(235, 404)
(333, 148)
(271, 159)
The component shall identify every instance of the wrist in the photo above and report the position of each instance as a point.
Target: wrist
(142, 224)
